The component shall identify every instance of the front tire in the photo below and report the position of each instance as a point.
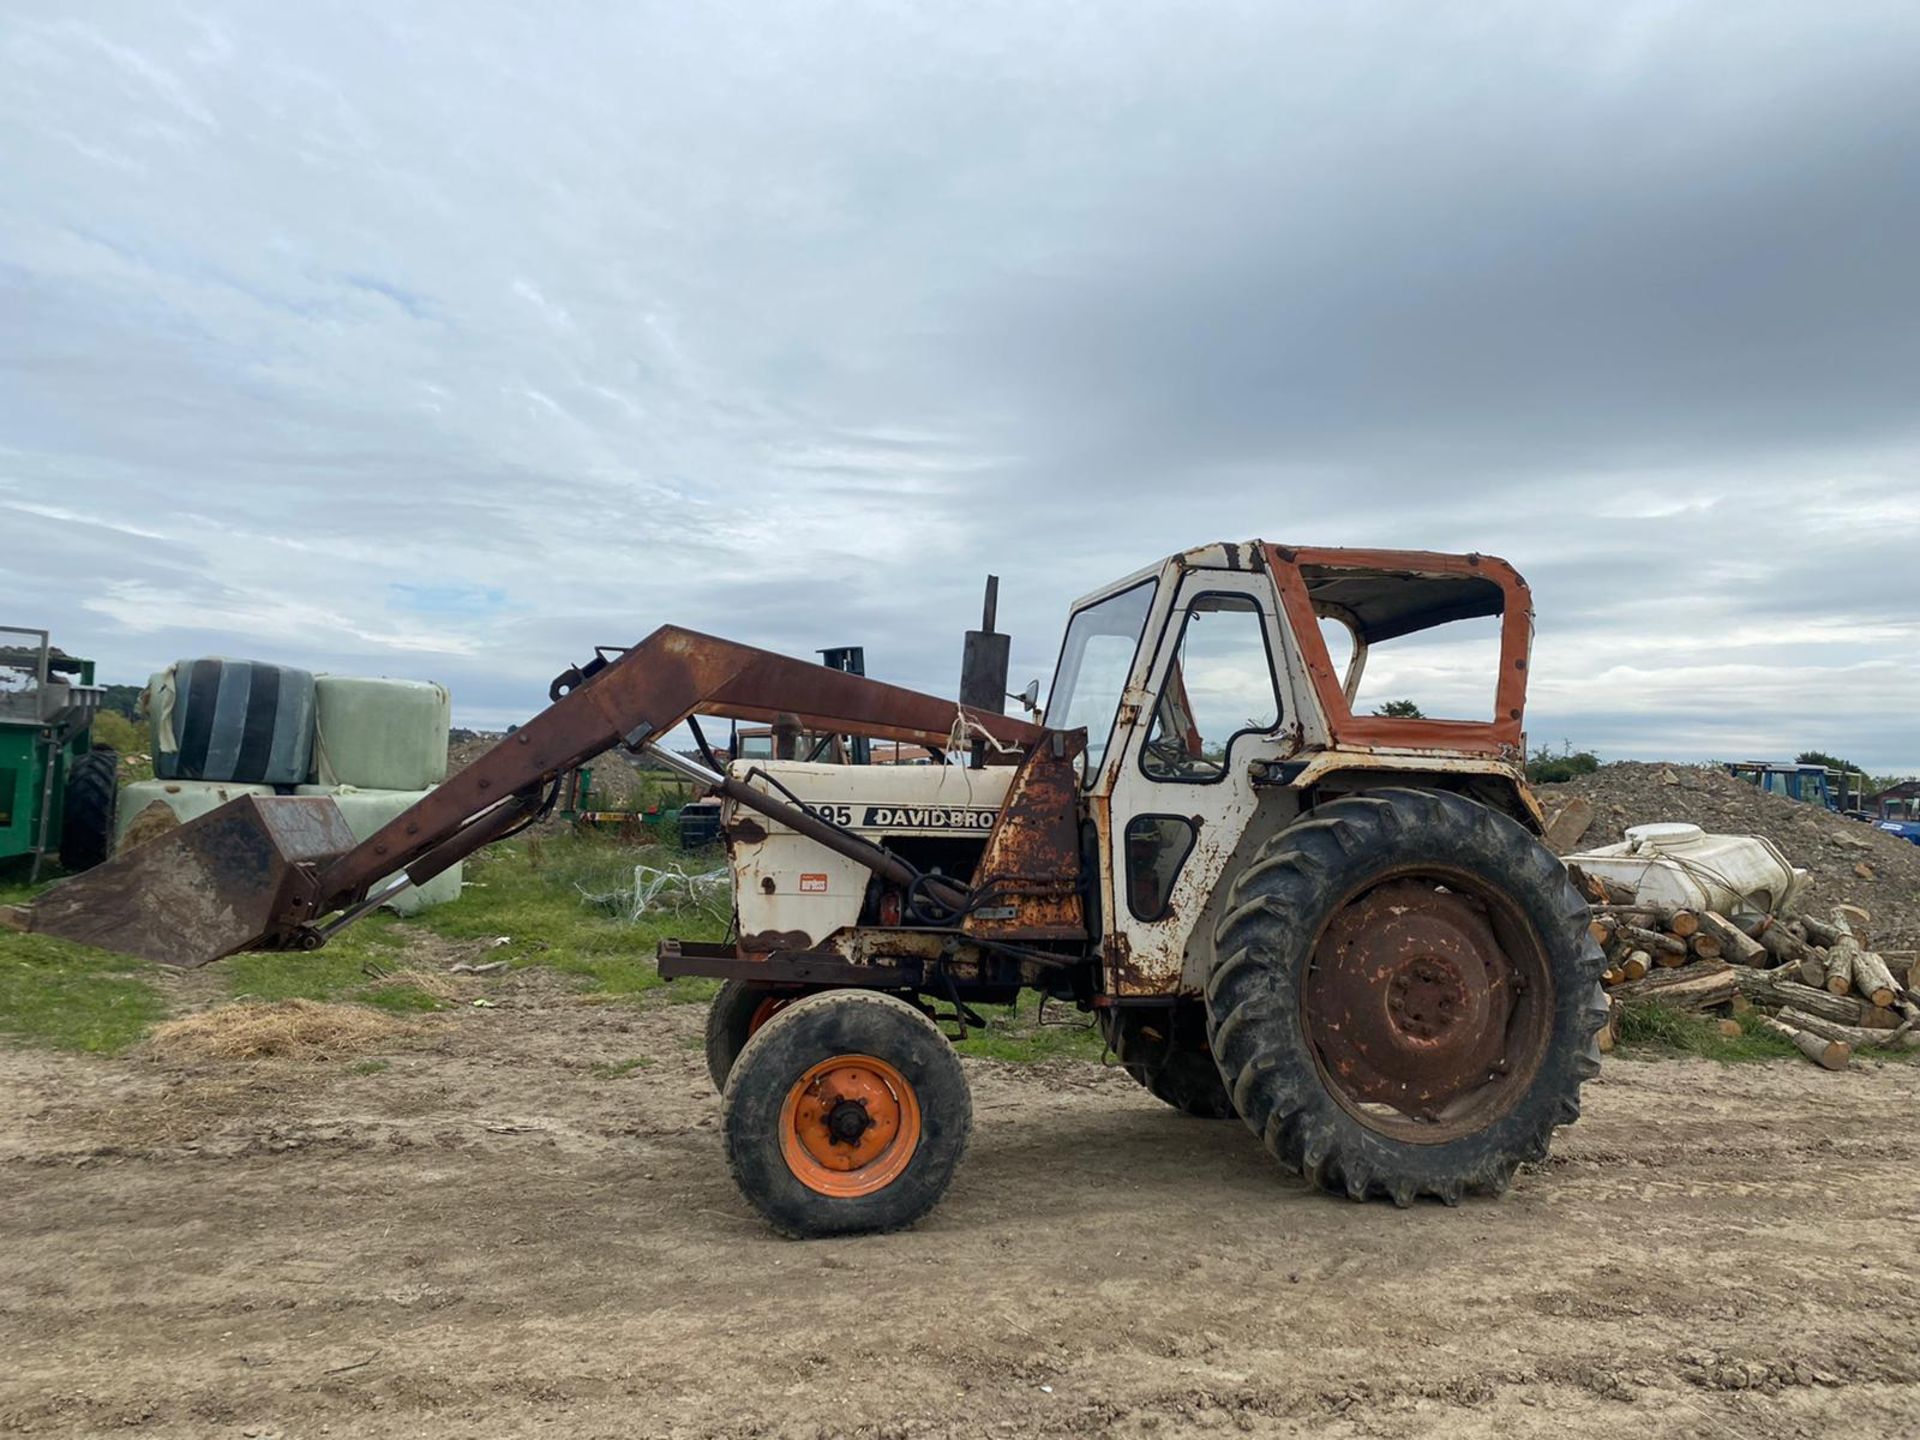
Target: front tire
(846, 1112)
(1406, 996)
(738, 1011)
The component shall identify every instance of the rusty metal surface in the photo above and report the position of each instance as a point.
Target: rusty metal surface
(1411, 1002)
(1502, 736)
(679, 958)
(1029, 873)
(1492, 780)
(670, 675)
(218, 884)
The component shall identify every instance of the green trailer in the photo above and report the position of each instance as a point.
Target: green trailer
(58, 790)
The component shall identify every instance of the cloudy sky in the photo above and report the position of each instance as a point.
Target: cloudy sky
(447, 341)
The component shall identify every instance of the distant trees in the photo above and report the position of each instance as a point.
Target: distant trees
(1545, 767)
(1400, 710)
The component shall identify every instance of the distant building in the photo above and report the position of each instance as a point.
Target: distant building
(1897, 802)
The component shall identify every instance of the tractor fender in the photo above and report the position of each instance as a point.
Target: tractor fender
(1334, 775)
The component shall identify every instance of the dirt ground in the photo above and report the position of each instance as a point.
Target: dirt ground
(498, 1235)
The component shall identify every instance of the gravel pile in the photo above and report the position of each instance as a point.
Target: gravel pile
(1849, 862)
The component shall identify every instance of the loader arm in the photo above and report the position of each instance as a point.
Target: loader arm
(672, 674)
(258, 872)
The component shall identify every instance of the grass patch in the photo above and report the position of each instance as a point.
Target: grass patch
(352, 967)
(1656, 1030)
(369, 1067)
(14, 889)
(400, 999)
(71, 997)
(614, 1070)
(535, 892)
(1014, 1033)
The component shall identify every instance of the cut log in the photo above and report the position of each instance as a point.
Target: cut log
(1653, 942)
(1592, 886)
(1813, 968)
(1601, 929)
(1879, 1017)
(1854, 1035)
(1568, 825)
(1854, 918)
(1704, 985)
(1873, 980)
(1818, 931)
(1778, 989)
(1739, 1005)
(1828, 1054)
(1708, 947)
(1728, 1028)
(1734, 943)
(1781, 945)
(1683, 923)
(1840, 957)
(1636, 965)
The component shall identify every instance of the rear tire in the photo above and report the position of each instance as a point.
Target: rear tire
(1366, 957)
(846, 1112)
(738, 1010)
(91, 804)
(1166, 1051)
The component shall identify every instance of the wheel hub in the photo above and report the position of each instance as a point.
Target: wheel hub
(1409, 998)
(850, 1125)
(848, 1121)
(1426, 998)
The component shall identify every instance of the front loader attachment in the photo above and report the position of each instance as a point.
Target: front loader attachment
(261, 872)
(221, 883)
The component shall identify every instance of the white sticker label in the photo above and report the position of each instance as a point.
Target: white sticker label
(813, 884)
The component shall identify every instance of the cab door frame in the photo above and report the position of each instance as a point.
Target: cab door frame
(1146, 958)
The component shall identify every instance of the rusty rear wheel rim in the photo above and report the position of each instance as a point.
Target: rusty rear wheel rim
(849, 1126)
(1428, 1003)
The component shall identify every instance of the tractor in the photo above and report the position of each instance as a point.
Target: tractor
(58, 790)
(1342, 930)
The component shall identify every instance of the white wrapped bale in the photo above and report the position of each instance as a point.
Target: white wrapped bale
(380, 734)
(365, 811)
(153, 807)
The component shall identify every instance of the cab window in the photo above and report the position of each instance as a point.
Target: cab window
(1220, 684)
(1095, 661)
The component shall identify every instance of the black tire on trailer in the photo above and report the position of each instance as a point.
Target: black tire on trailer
(1165, 1049)
(91, 804)
(1405, 996)
(739, 1009)
(846, 1112)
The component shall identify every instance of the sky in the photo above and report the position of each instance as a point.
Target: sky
(449, 340)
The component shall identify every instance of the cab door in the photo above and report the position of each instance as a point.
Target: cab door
(1182, 793)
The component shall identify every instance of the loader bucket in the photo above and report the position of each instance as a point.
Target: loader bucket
(218, 884)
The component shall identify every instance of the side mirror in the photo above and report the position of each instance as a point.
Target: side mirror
(1029, 698)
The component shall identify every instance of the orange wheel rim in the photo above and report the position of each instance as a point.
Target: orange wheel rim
(765, 1011)
(849, 1126)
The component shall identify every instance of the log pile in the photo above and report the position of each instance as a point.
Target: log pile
(1817, 983)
